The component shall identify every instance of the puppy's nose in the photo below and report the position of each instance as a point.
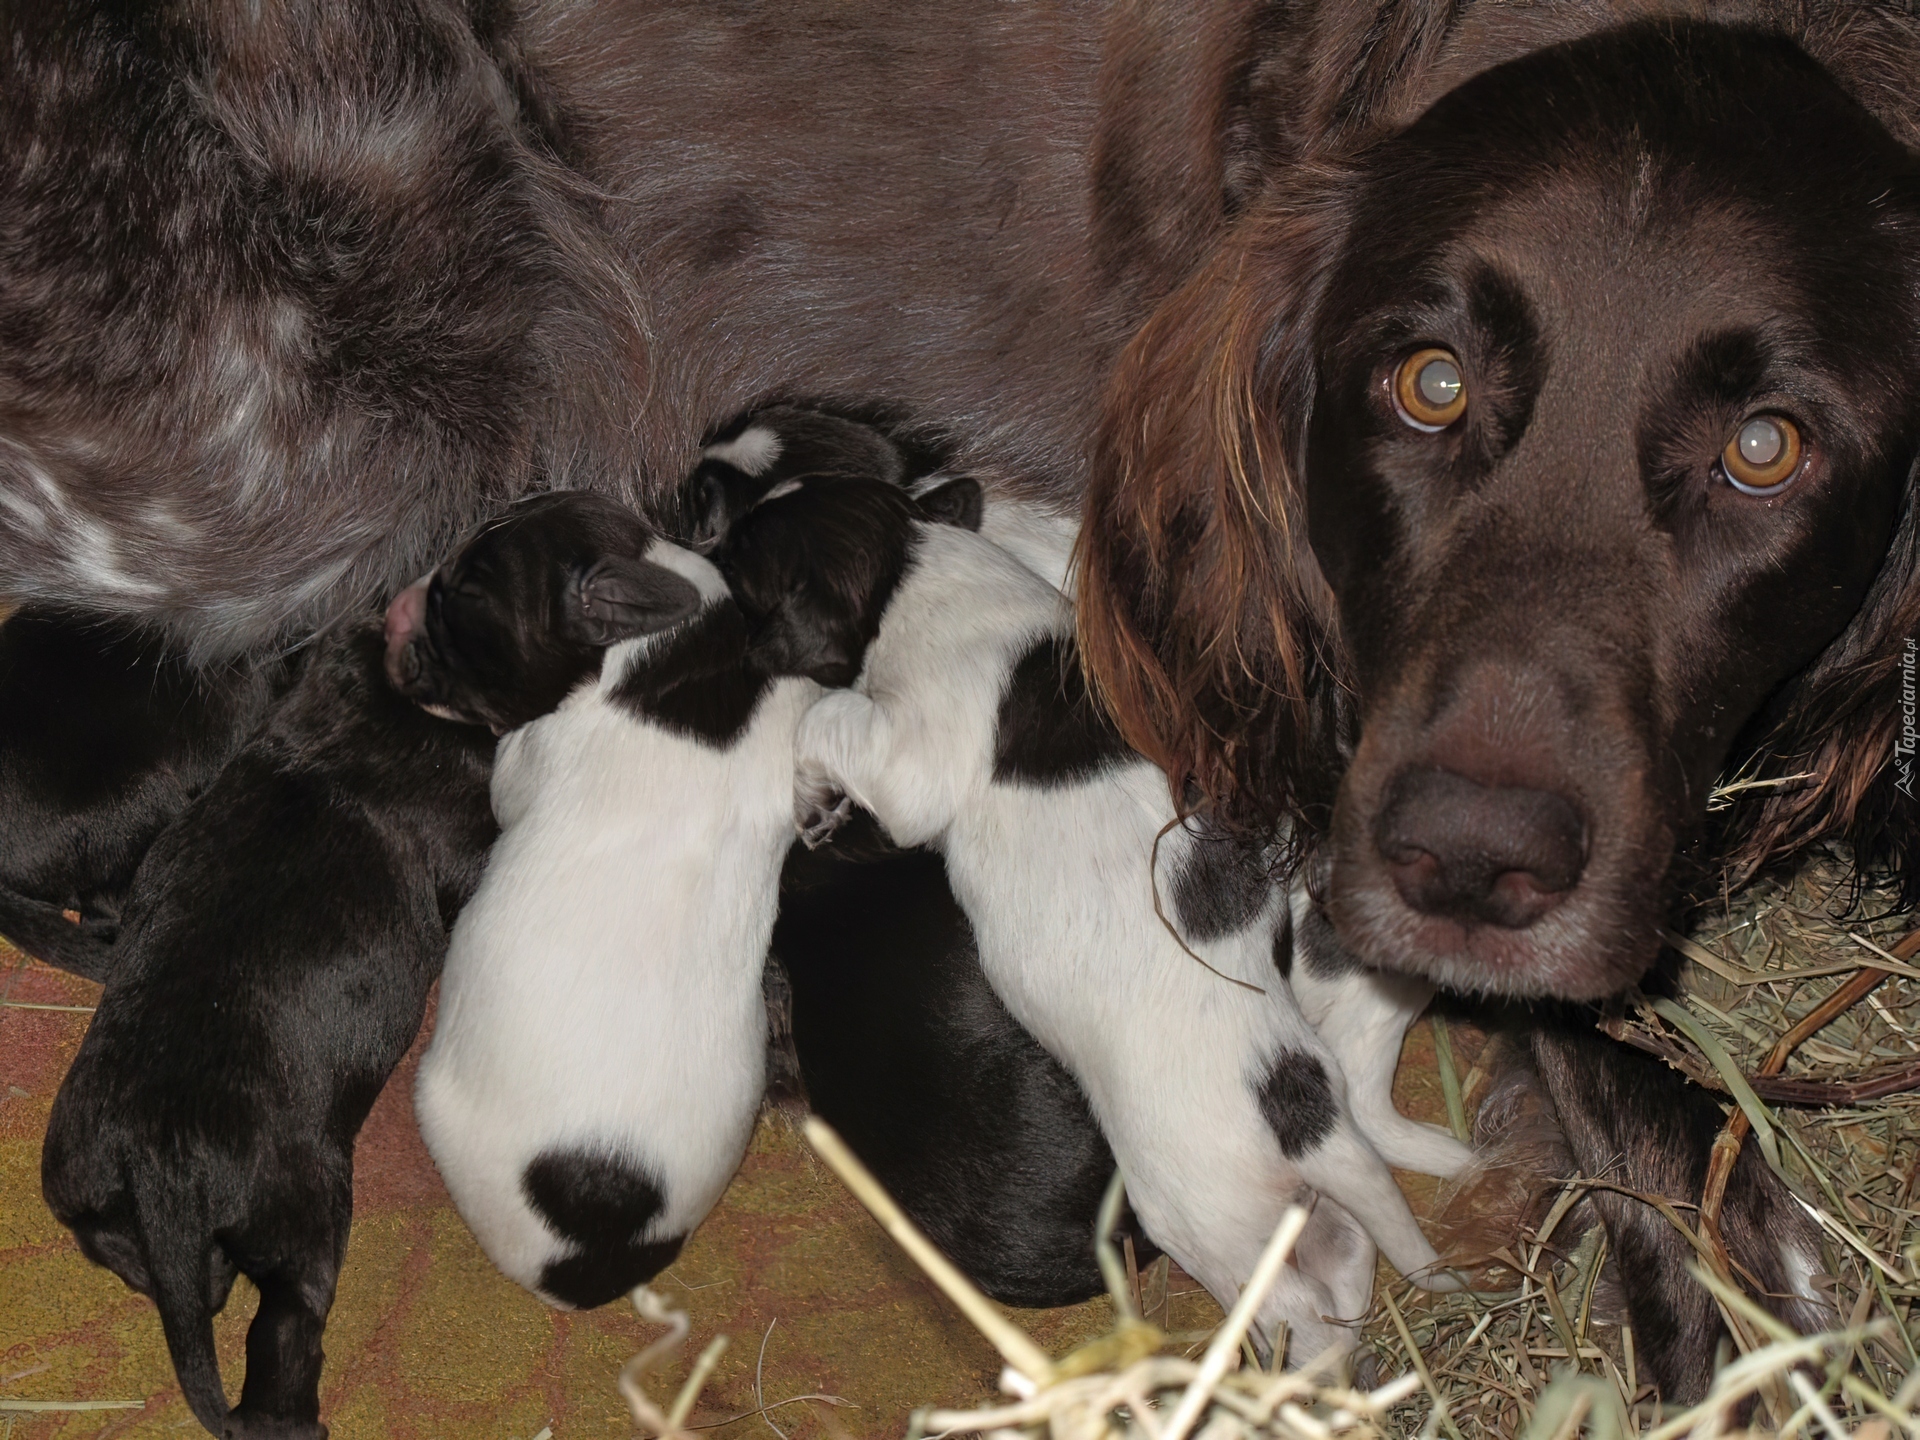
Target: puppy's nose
(1496, 855)
(405, 616)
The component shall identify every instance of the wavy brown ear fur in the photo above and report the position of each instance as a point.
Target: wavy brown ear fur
(1200, 604)
(1846, 724)
(1842, 721)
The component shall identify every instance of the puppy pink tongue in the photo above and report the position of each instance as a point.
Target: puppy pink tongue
(404, 618)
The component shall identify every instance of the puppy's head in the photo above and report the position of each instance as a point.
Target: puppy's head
(522, 613)
(1574, 423)
(806, 517)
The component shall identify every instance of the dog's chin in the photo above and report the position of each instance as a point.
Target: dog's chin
(1588, 947)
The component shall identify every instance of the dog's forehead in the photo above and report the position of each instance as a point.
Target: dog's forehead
(1649, 116)
(1625, 244)
(552, 532)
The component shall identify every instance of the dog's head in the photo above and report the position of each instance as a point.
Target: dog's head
(806, 516)
(1494, 487)
(524, 610)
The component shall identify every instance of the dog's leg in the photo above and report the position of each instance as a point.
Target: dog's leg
(847, 747)
(1336, 1251)
(43, 931)
(1627, 1117)
(1215, 1143)
(829, 748)
(1216, 1221)
(281, 1397)
(1362, 1016)
(1344, 1167)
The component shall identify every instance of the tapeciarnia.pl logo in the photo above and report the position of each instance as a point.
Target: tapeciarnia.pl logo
(1903, 746)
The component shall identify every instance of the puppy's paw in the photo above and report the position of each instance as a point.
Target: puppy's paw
(819, 809)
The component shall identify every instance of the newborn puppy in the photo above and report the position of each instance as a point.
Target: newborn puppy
(971, 730)
(599, 1056)
(978, 1132)
(106, 734)
(271, 969)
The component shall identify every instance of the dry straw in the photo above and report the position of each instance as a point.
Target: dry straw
(1778, 993)
(1788, 996)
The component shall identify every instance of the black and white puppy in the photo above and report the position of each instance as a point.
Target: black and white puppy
(599, 1056)
(106, 733)
(971, 730)
(903, 1046)
(980, 1134)
(271, 969)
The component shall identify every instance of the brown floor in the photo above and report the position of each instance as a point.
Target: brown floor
(427, 1340)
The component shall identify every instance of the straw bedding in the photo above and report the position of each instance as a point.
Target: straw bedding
(1493, 1362)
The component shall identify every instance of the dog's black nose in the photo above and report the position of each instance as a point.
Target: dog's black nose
(1499, 856)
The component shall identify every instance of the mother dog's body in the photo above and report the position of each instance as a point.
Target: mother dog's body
(371, 270)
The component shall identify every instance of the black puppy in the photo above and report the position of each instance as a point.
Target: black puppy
(272, 968)
(106, 734)
(904, 1048)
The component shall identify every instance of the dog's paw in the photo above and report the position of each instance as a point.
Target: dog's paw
(818, 810)
(245, 1424)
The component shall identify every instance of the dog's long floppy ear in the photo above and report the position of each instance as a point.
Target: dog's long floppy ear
(1201, 609)
(618, 598)
(1850, 724)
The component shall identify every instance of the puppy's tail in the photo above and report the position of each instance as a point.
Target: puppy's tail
(183, 1286)
(43, 931)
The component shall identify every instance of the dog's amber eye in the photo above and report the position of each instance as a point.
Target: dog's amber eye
(1428, 390)
(1763, 454)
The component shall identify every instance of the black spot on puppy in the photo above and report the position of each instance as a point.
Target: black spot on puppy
(1220, 889)
(1297, 1100)
(1320, 948)
(600, 1204)
(697, 681)
(1049, 730)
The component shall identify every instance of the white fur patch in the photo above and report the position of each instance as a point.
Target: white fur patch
(1038, 538)
(24, 511)
(785, 487)
(94, 558)
(751, 452)
(699, 570)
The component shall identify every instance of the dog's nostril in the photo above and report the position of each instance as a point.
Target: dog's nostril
(1494, 855)
(403, 665)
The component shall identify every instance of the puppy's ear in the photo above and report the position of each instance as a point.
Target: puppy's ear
(711, 501)
(958, 502)
(617, 598)
(1200, 605)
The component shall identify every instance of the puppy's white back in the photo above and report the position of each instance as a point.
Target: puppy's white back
(602, 991)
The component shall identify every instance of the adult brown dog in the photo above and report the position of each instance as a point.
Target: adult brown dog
(291, 292)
